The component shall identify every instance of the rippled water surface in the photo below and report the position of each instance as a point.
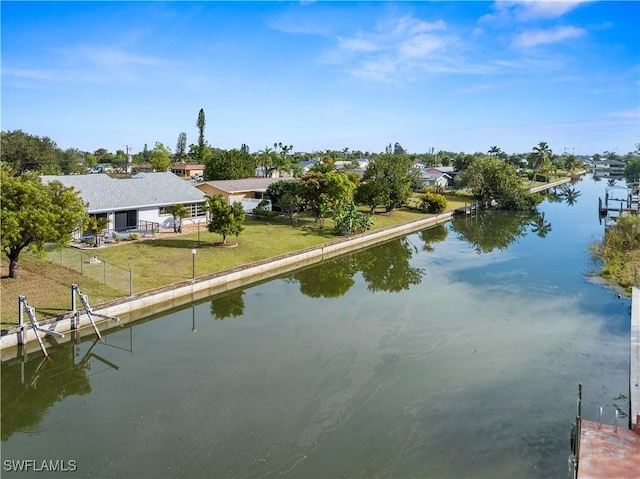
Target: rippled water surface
(454, 352)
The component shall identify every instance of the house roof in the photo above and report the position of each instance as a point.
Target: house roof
(434, 176)
(245, 184)
(441, 169)
(104, 193)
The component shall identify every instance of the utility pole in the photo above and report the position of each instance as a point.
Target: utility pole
(128, 160)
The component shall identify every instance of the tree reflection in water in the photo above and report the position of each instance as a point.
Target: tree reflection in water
(387, 268)
(540, 226)
(435, 234)
(27, 394)
(228, 305)
(329, 279)
(384, 268)
(494, 229)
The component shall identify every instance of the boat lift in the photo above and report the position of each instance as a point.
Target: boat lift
(31, 313)
(75, 292)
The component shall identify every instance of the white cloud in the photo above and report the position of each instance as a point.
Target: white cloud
(420, 46)
(413, 26)
(108, 57)
(29, 73)
(527, 10)
(357, 45)
(553, 35)
(631, 114)
(530, 10)
(393, 49)
(94, 64)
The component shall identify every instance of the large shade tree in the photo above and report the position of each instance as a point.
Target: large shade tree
(313, 190)
(160, 157)
(34, 213)
(229, 165)
(24, 152)
(491, 179)
(392, 177)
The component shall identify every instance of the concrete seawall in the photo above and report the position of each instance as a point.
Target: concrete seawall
(157, 300)
(161, 299)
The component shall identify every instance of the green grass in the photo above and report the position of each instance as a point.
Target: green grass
(167, 260)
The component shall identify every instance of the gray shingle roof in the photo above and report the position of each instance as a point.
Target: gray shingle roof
(104, 193)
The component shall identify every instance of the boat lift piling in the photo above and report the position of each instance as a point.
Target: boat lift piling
(76, 293)
(31, 312)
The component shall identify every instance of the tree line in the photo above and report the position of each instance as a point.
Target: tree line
(23, 152)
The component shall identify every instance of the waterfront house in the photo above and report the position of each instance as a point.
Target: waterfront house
(138, 203)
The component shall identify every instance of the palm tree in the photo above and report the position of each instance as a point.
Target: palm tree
(494, 150)
(569, 194)
(178, 212)
(540, 226)
(265, 160)
(542, 153)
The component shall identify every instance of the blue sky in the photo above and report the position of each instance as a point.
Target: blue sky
(457, 76)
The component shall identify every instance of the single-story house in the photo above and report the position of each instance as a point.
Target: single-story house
(436, 179)
(609, 164)
(437, 176)
(138, 203)
(248, 191)
(188, 170)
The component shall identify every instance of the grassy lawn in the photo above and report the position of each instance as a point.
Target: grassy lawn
(167, 260)
(47, 288)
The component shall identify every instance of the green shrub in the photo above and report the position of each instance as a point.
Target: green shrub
(134, 236)
(434, 203)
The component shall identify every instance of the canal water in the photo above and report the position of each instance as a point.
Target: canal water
(453, 352)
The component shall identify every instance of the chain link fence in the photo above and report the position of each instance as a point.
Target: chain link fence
(90, 265)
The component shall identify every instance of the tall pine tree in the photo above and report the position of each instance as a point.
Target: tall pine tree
(201, 143)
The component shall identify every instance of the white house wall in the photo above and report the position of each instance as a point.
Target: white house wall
(153, 214)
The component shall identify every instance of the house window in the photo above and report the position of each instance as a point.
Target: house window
(194, 210)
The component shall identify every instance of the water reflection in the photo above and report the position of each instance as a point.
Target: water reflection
(327, 280)
(388, 268)
(30, 388)
(540, 226)
(435, 234)
(494, 229)
(227, 305)
(569, 194)
(384, 268)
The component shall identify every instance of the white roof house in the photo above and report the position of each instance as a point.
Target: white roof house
(128, 202)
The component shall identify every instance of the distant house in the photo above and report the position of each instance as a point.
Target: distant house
(609, 164)
(437, 176)
(138, 203)
(248, 191)
(436, 179)
(188, 170)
